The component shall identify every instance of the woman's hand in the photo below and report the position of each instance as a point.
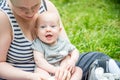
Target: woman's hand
(70, 66)
(62, 74)
(40, 76)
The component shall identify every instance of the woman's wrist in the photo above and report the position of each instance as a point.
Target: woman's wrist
(71, 62)
(32, 76)
(29, 76)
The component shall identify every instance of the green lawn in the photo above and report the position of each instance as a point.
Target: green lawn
(92, 25)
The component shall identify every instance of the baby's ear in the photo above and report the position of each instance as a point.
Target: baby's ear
(60, 29)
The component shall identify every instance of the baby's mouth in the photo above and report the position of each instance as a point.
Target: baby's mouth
(49, 36)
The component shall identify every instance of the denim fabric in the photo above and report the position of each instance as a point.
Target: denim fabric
(86, 59)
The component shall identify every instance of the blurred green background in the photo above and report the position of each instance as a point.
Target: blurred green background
(92, 25)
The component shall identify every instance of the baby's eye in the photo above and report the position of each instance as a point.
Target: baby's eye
(42, 26)
(53, 26)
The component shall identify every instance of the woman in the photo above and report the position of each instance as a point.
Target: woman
(16, 36)
(18, 19)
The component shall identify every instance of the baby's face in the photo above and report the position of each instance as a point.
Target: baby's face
(48, 29)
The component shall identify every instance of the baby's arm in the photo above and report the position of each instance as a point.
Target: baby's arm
(68, 64)
(42, 63)
(70, 60)
(74, 56)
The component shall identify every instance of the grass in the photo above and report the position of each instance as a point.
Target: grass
(92, 25)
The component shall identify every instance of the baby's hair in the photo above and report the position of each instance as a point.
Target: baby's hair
(48, 13)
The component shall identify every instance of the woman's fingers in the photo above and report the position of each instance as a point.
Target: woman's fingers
(57, 73)
(61, 73)
(65, 75)
(68, 76)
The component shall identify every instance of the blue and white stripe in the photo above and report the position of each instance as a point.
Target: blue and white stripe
(20, 53)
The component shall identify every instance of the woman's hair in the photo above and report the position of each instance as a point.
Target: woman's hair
(12, 1)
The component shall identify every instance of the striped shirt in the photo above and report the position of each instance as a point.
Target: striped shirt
(20, 53)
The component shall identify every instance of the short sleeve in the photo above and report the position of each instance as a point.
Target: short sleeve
(71, 47)
(66, 45)
(37, 45)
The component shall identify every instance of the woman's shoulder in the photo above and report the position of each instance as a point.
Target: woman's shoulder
(50, 6)
(4, 23)
(4, 19)
(5, 32)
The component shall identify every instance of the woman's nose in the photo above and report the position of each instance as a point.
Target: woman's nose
(29, 12)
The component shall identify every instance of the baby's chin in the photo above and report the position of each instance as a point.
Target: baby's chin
(51, 43)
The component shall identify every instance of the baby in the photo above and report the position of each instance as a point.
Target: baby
(52, 51)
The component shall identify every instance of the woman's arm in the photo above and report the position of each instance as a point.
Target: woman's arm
(51, 7)
(11, 73)
(6, 70)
